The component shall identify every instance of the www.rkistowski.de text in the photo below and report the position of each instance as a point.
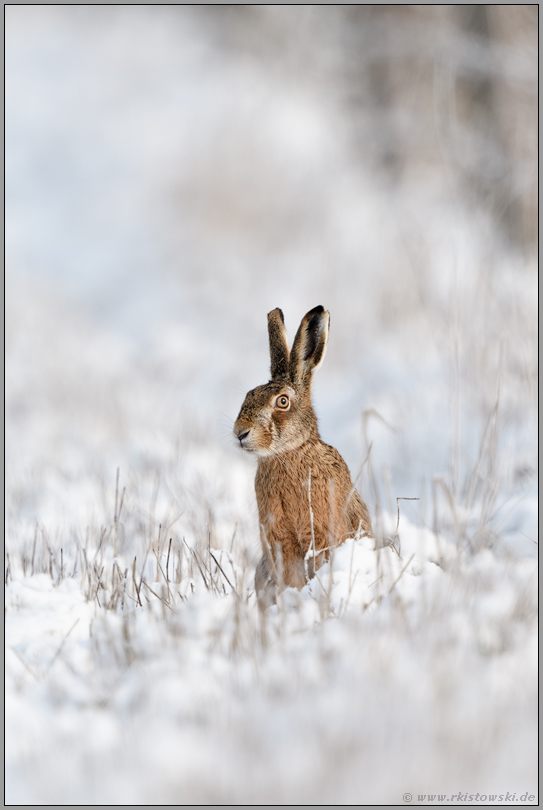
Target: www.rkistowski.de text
(470, 797)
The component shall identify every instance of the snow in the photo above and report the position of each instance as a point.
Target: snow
(163, 194)
(352, 688)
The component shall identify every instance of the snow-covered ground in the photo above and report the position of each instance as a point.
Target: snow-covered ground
(163, 194)
(359, 689)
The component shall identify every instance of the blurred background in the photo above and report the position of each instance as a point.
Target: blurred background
(175, 172)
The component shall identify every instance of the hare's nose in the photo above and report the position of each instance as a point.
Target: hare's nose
(242, 436)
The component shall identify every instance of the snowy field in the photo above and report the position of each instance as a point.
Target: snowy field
(166, 188)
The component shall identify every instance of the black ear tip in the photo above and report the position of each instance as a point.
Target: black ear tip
(279, 312)
(315, 311)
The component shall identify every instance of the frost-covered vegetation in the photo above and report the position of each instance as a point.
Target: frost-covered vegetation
(173, 174)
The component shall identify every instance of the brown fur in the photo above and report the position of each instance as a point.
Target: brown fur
(305, 496)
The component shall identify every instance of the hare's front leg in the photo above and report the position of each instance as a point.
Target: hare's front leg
(265, 585)
(288, 569)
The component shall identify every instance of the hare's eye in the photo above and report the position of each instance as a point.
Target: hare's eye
(282, 402)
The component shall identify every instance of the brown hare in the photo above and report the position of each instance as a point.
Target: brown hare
(306, 500)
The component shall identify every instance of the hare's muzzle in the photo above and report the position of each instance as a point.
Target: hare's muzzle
(242, 435)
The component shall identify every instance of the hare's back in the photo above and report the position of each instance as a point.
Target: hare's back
(332, 467)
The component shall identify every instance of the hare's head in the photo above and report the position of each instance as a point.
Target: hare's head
(278, 416)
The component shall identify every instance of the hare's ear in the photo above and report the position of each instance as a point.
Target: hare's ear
(309, 345)
(279, 351)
